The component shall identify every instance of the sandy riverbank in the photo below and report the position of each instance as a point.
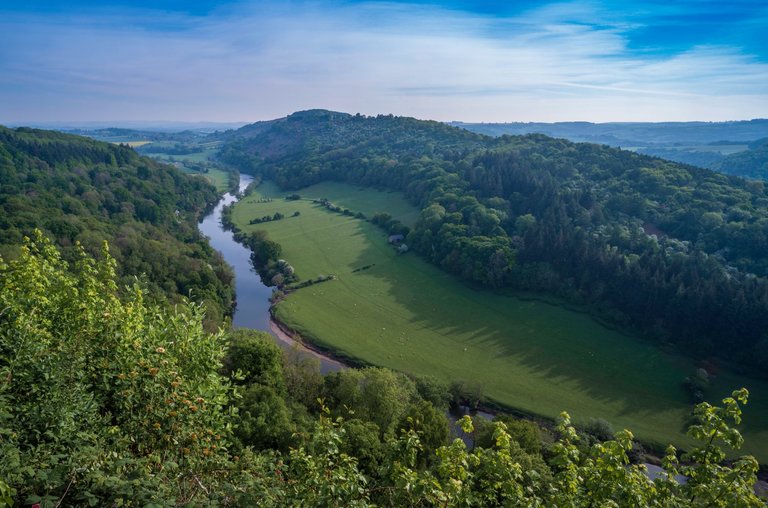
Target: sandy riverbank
(290, 340)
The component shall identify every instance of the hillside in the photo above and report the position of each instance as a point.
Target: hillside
(676, 252)
(752, 163)
(703, 144)
(80, 190)
(631, 133)
(142, 407)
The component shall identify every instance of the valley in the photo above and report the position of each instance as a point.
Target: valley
(525, 353)
(383, 254)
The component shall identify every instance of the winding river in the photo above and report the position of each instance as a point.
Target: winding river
(252, 295)
(252, 309)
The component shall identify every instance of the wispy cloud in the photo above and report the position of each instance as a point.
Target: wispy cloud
(563, 61)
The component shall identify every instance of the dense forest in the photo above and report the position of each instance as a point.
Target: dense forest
(142, 407)
(676, 252)
(79, 190)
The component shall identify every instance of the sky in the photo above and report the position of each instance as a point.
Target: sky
(473, 61)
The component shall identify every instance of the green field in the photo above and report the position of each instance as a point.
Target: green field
(406, 314)
(205, 154)
(132, 144)
(724, 149)
(218, 177)
(360, 199)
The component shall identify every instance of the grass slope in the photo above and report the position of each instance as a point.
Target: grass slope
(217, 177)
(405, 314)
(360, 199)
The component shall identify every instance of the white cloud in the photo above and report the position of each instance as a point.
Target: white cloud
(563, 62)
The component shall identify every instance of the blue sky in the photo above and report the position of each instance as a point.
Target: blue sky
(462, 60)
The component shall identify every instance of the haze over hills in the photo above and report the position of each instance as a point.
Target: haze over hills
(704, 144)
(428, 313)
(82, 127)
(630, 133)
(722, 146)
(752, 163)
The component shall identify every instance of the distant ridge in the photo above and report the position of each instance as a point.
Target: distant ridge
(624, 132)
(704, 144)
(149, 125)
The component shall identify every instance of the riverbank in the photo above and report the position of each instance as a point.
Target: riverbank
(288, 339)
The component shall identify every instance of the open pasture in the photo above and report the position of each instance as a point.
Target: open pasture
(361, 199)
(218, 177)
(406, 314)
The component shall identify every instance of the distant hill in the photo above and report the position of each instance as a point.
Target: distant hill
(703, 144)
(631, 132)
(76, 189)
(676, 251)
(120, 134)
(752, 163)
(136, 125)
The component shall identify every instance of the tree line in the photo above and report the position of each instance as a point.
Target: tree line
(109, 399)
(77, 190)
(675, 252)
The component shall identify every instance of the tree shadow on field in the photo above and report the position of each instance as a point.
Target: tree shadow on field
(540, 350)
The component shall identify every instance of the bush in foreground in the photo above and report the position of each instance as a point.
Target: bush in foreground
(107, 400)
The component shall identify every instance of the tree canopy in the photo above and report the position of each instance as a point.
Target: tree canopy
(676, 252)
(108, 399)
(76, 189)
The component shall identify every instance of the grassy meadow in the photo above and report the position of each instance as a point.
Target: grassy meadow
(189, 163)
(360, 199)
(206, 153)
(218, 177)
(133, 144)
(406, 314)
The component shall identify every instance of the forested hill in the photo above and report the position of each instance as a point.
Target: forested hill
(678, 252)
(632, 133)
(79, 190)
(752, 163)
(301, 137)
(704, 144)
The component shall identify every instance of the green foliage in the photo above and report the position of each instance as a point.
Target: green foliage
(264, 418)
(362, 441)
(710, 483)
(466, 394)
(303, 380)
(602, 476)
(399, 311)
(6, 495)
(433, 390)
(110, 402)
(524, 432)
(583, 222)
(253, 357)
(430, 424)
(596, 429)
(373, 394)
(103, 400)
(79, 190)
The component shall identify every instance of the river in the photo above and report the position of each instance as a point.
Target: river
(252, 309)
(253, 296)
